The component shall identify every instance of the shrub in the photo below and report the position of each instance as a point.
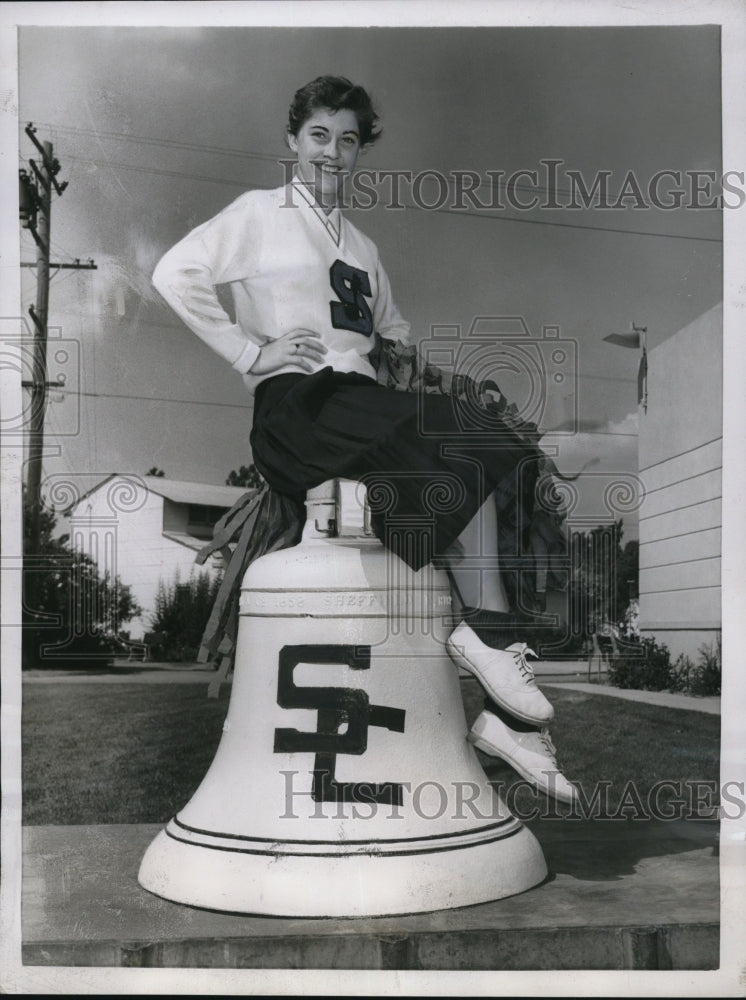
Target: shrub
(681, 673)
(181, 614)
(652, 669)
(648, 671)
(707, 675)
(62, 649)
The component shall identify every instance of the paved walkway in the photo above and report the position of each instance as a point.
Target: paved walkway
(620, 895)
(126, 673)
(710, 705)
(572, 674)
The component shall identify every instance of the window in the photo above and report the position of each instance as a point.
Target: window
(201, 519)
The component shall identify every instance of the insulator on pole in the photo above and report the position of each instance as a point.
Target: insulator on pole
(28, 200)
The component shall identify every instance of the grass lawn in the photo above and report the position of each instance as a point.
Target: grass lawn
(134, 753)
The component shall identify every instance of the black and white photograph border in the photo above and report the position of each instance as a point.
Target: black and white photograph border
(152, 145)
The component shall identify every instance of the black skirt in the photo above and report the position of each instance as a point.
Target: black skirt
(428, 461)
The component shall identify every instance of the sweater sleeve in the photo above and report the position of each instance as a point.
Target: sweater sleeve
(213, 253)
(389, 322)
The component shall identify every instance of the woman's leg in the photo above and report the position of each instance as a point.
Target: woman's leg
(512, 723)
(471, 562)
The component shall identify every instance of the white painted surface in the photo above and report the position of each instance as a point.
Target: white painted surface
(258, 836)
(680, 451)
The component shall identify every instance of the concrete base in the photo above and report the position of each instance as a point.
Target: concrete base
(620, 896)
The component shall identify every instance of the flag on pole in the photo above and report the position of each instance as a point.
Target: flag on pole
(642, 381)
(624, 339)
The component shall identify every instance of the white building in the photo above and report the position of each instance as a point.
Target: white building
(145, 528)
(680, 464)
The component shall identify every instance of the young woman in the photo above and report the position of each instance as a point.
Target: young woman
(311, 303)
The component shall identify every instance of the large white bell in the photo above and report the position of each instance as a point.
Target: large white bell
(343, 784)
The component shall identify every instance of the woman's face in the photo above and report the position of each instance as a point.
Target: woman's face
(327, 145)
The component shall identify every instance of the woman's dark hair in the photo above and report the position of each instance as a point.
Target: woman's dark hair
(334, 93)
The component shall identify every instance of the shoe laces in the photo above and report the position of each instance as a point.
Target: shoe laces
(519, 655)
(546, 741)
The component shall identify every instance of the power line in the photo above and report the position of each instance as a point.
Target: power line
(623, 434)
(273, 158)
(170, 143)
(266, 157)
(243, 406)
(247, 183)
(571, 225)
(154, 399)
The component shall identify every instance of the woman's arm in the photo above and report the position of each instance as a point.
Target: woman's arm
(388, 321)
(302, 348)
(215, 252)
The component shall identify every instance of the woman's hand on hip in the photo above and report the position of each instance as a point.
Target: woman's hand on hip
(302, 348)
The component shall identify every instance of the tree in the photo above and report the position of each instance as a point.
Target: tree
(247, 476)
(155, 471)
(628, 568)
(181, 613)
(603, 574)
(77, 612)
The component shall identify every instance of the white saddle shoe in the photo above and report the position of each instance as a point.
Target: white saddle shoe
(505, 674)
(532, 755)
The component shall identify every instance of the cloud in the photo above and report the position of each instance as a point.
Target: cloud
(123, 277)
(611, 448)
(606, 458)
(629, 425)
(613, 443)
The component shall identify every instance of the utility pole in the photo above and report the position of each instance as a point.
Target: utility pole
(35, 213)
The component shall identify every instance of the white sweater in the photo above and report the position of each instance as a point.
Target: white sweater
(289, 267)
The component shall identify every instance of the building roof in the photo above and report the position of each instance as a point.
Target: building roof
(188, 540)
(204, 494)
(179, 491)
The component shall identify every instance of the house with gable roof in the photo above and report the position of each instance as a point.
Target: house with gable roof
(144, 529)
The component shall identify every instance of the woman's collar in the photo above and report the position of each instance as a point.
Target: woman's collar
(330, 221)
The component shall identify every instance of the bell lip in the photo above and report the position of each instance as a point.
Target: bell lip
(356, 885)
(506, 826)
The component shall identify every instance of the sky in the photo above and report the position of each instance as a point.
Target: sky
(158, 128)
